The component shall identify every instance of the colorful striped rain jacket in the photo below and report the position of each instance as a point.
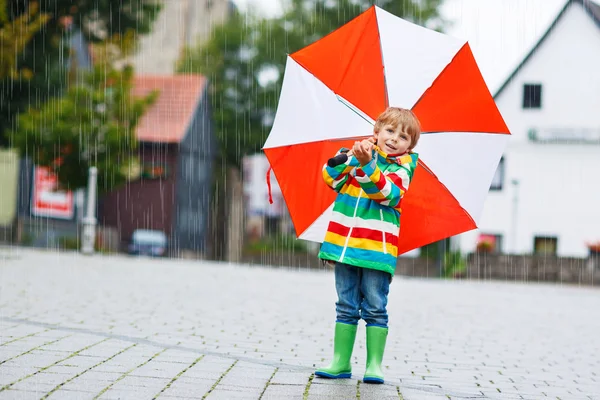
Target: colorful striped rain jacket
(365, 222)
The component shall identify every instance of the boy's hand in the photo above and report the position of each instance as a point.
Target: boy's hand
(363, 151)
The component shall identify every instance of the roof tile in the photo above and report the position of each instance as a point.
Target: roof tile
(167, 120)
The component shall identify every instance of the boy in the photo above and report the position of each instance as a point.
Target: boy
(362, 236)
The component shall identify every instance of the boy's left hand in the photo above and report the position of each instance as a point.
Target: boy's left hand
(363, 151)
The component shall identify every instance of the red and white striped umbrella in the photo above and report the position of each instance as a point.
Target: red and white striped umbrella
(335, 88)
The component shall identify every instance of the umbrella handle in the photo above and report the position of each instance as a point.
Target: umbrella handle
(338, 160)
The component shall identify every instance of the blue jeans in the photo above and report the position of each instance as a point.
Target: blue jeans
(362, 293)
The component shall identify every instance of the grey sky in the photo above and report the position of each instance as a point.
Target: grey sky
(500, 32)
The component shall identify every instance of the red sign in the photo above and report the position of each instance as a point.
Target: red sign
(46, 201)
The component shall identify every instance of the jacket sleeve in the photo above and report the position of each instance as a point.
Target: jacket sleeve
(337, 177)
(388, 189)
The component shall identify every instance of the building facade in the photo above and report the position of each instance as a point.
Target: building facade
(545, 197)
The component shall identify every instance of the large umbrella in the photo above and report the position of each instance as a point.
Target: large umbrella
(335, 88)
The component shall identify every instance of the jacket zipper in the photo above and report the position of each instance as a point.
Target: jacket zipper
(350, 231)
(383, 233)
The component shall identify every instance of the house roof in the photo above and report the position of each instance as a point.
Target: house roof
(593, 10)
(168, 119)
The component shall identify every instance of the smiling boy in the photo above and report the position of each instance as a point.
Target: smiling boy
(362, 236)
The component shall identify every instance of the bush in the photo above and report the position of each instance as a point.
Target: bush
(68, 243)
(484, 246)
(286, 243)
(455, 264)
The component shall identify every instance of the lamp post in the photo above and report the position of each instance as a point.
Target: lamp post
(515, 183)
(89, 221)
(441, 264)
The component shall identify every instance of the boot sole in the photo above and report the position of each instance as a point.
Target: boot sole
(371, 379)
(343, 375)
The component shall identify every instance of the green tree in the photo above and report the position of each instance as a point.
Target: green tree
(246, 50)
(93, 124)
(46, 56)
(15, 35)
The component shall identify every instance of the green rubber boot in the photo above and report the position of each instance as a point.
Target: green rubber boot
(343, 343)
(376, 338)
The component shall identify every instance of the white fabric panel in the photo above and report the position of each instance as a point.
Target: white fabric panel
(356, 110)
(309, 111)
(316, 232)
(358, 222)
(465, 163)
(413, 57)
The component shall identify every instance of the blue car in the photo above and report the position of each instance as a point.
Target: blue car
(146, 242)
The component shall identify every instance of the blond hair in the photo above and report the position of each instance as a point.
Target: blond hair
(396, 116)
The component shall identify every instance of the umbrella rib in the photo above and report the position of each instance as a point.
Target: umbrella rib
(354, 109)
(385, 85)
(340, 98)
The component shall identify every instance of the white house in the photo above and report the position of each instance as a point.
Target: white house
(546, 194)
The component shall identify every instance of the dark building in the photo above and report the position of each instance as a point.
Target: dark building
(177, 148)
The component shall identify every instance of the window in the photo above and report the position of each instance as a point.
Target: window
(498, 179)
(152, 170)
(489, 243)
(532, 96)
(545, 245)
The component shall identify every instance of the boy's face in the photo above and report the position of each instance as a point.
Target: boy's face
(393, 140)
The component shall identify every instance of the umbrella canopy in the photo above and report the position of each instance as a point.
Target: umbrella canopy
(334, 89)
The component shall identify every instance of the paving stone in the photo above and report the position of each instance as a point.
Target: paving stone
(81, 362)
(178, 398)
(290, 378)
(335, 382)
(9, 351)
(106, 349)
(72, 395)
(118, 364)
(20, 395)
(133, 382)
(129, 393)
(182, 380)
(275, 392)
(412, 394)
(31, 342)
(144, 351)
(41, 381)
(53, 334)
(158, 370)
(196, 390)
(92, 383)
(36, 358)
(207, 371)
(21, 330)
(376, 392)
(346, 391)
(185, 357)
(10, 375)
(74, 343)
(219, 394)
(70, 370)
(246, 377)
